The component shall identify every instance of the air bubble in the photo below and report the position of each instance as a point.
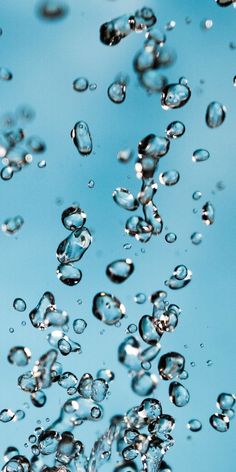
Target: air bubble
(175, 129)
(108, 308)
(81, 84)
(179, 395)
(117, 92)
(194, 425)
(169, 178)
(208, 214)
(69, 274)
(120, 270)
(79, 325)
(19, 304)
(215, 114)
(197, 195)
(200, 155)
(81, 138)
(196, 238)
(219, 422)
(225, 401)
(170, 237)
(125, 199)
(175, 96)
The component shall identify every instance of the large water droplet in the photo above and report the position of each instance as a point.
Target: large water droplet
(81, 137)
(175, 96)
(73, 218)
(169, 178)
(215, 114)
(226, 401)
(179, 395)
(74, 246)
(180, 278)
(108, 308)
(171, 365)
(120, 270)
(219, 422)
(144, 383)
(68, 274)
(200, 155)
(125, 199)
(19, 356)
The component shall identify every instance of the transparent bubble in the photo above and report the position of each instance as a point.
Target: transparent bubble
(170, 25)
(5, 74)
(175, 96)
(74, 246)
(148, 330)
(215, 114)
(91, 184)
(208, 213)
(175, 129)
(150, 409)
(171, 365)
(144, 383)
(179, 395)
(38, 398)
(106, 374)
(46, 314)
(125, 199)
(140, 298)
(73, 218)
(12, 225)
(81, 138)
(117, 92)
(112, 32)
(219, 422)
(196, 238)
(164, 424)
(68, 380)
(125, 155)
(170, 237)
(194, 425)
(52, 9)
(6, 415)
(180, 278)
(69, 274)
(108, 308)
(225, 401)
(132, 328)
(19, 304)
(153, 218)
(42, 164)
(200, 155)
(197, 195)
(81, 84)
(19, 355)
(96, 412)
(120, 270)
(147, 192)
(7, 173)
(79, 325)
(153, 146)
(169, 178)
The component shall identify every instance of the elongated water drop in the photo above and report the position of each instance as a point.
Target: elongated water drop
(124, 198)
(200, 155)
(219, 422)
(208, 214)
(81, 138)
(179, 395)
(74, 246)
(215, 114)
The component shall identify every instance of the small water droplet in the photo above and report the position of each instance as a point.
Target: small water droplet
(170, 237)
(19, 304)
(215, 114)
(194, 425)
(196, 238)
(219, 422)
(200, 155)
(81, 84)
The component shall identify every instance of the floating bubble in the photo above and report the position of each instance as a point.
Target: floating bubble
(175, 129)
(175, 95)
(180, 278)
(148, 330)
(6, 415)
(219, 422)
(200, 155)
(194, 425)
(19, 355)
(208, 214)
(143, 383)
(197, 195)
(147, 192)
(125, 155)
(225, 401)
(152, 80)
(153, 146)
(81, 138)
(46, 313)
(125, 199)
(19, 304)
(171, 365)
(68, 380)
(12, 225)
(42, 164)
(74, 246)
(69, 274)
(7, 172)
(108, 308)
(140, 298)
(5, 74)
(169, 178)
(81, 84)
(215, 114)
(129, 352)
(170, 237)
(112, 32)
(120, 270)
(106, 374)
(196, 238)
(153, 218)
(138, 228)
(117, 92)
(143, 19)
(179, 395)
(79, 325)
(73, 218)
(170, 25)
(38, 398)
(52, 9)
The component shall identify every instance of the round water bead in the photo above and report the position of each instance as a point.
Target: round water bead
(108, 308)
(219, 422)
(81, 84)
(19, 304)
(79, 325)
(194, 425)
(200, 155)
(68, 274)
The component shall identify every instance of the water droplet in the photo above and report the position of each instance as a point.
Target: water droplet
(91, 184)
(74, 246)
(81, 84)
(12, 225)
(151, 79)
(206, 24)
(225, 401)
(179, 395)
(197, 195)
(153, 146)
(96, 412)
(38, 398)
(79, 325)
(180, 278)
(175, 129)
(68, 380)
(73, 218)
(170, 25)
(5, 74)
(194, 425)
(196, 238)
(224, 3)
(19, 304)
(112, 32)
(215, 114)
(219, 422)
(153, 218)
(140, 298)
(52, 9)
(108, 308)
(19, 356)
(6, 415)
(143, 19)
(117, 92)
(171, 365)
(36, 144)
(68, 274)
(175, 96)
(46, 313)
(208, 214)
(42, 164)
(106, 374)
(170, 237)
(81, 138)
(7, 173)
(125, 199)
(144, 383)
(120, 270)
(147, 192)
(169, 178)
(148, 330)
(125, 155)
(200, 155)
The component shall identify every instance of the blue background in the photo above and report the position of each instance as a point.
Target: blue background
(45, 58)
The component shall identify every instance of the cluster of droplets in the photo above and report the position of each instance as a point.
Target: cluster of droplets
(221, 421)
(72, 249)
(16, 148)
